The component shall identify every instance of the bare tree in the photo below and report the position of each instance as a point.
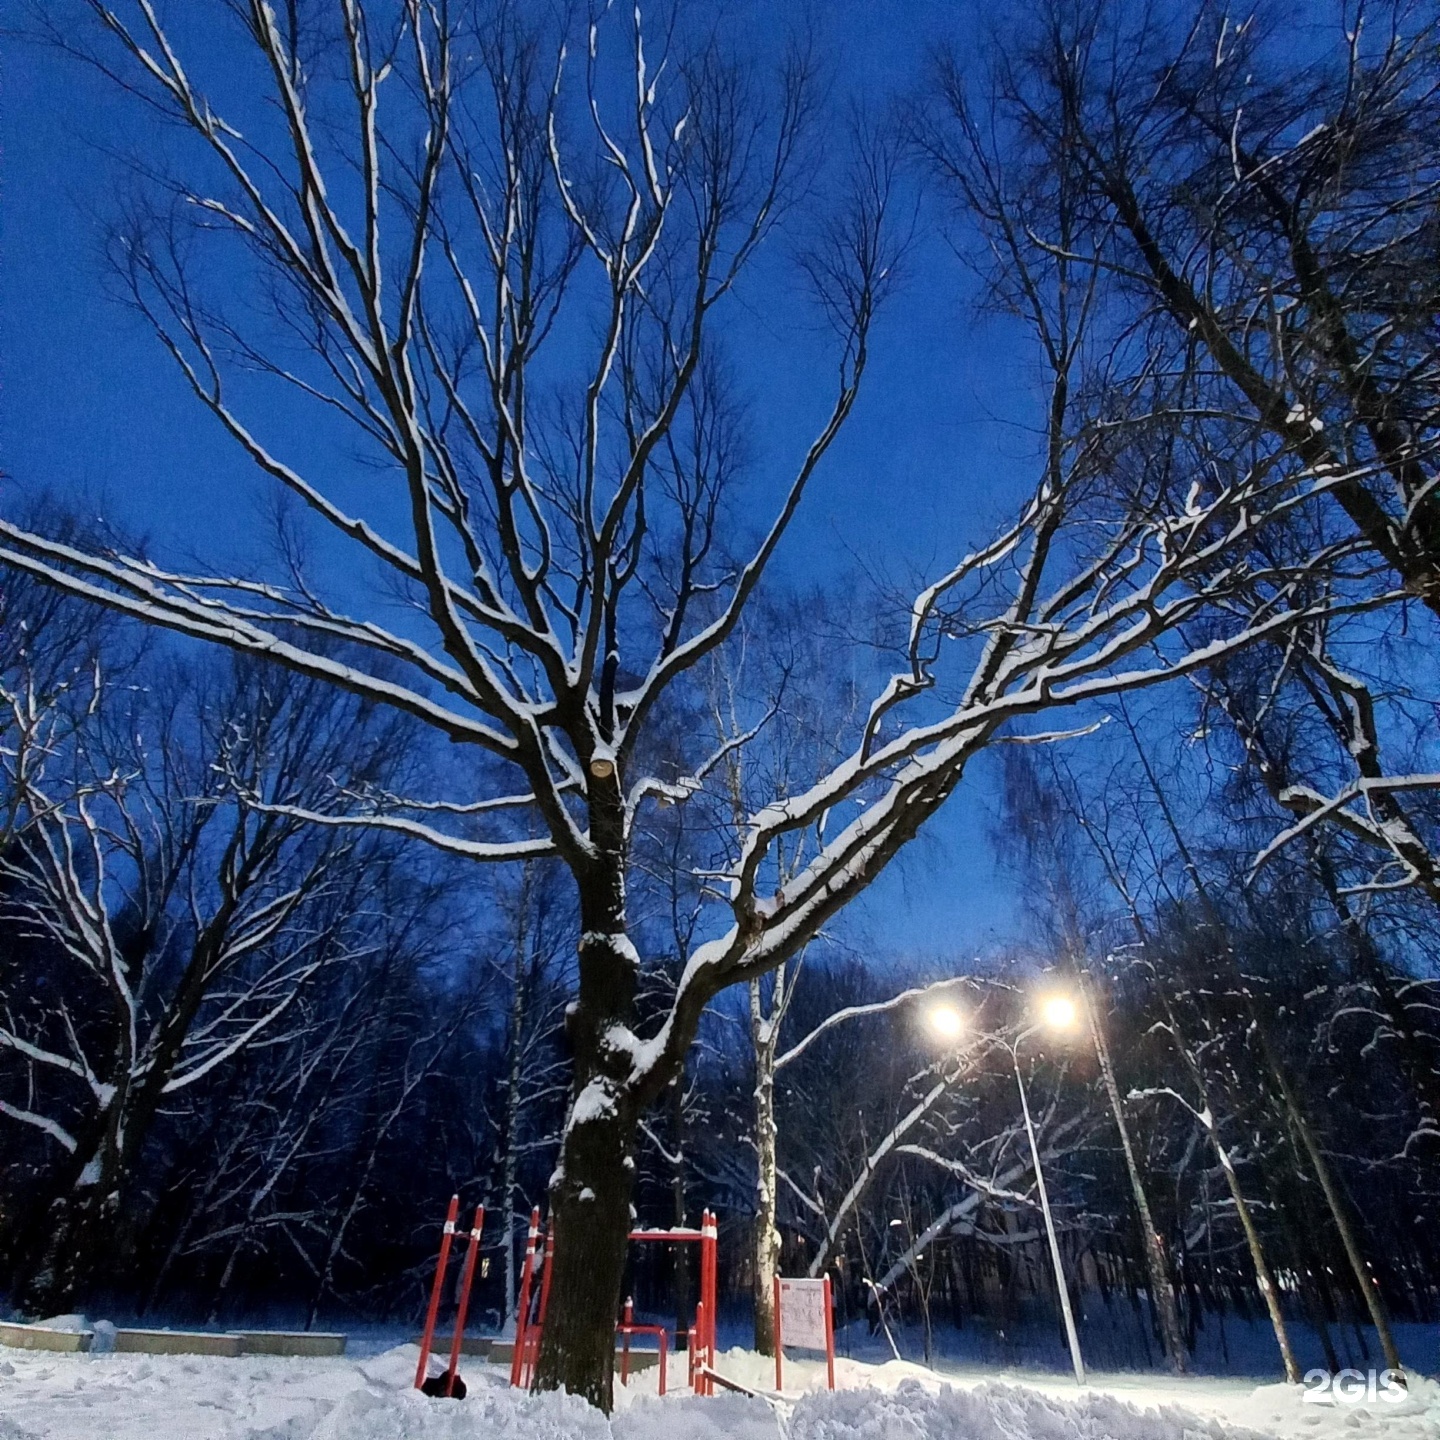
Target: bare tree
(1271, 215)
(171, 923)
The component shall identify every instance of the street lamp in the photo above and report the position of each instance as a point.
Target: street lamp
(1058, 1012)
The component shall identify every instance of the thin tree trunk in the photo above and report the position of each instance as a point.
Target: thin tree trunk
(1264, 1279)
(766, 1238)
(1161, 1289)
(513, 1100)
(1308, 1267)
(1339, 1211)
(680, 1253)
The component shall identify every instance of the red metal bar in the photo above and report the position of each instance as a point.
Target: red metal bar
(447, 1235)
(708, 1268)
(829, 1338)
(662, 1341)
(467, 1276)
(779, 1342)
(534, 1332)
(697, 1346)
(522, 1309)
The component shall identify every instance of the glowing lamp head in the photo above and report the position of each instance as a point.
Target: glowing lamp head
(1059, 1013)
(946, 1021)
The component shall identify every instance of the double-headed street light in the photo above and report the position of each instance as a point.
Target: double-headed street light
(1058, 1013)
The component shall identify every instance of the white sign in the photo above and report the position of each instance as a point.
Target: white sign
(802, 1314)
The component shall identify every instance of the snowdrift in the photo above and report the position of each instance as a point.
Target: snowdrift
(989, 1412)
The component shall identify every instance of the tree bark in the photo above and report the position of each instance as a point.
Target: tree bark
(590, 1215)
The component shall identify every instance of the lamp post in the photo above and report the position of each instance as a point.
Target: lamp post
(1057, 1012)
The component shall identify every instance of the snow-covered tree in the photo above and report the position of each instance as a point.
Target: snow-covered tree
(162, 923)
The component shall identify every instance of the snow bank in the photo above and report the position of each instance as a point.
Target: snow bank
(992, 1412)
(722, 1417)
(489, 1412)
(493, 1412)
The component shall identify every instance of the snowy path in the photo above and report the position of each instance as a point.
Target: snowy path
(126, 1397)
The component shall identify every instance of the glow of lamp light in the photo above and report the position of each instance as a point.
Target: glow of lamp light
(946, 1021)
(1059, 1013)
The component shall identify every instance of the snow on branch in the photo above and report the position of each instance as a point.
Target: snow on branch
(56, 1131)
(855, 1012)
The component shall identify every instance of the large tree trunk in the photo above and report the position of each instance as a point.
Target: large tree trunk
(591, 1188)
(590, 1215)
(75, 1234)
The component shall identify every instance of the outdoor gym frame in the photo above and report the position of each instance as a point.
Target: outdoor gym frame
(700, 1338)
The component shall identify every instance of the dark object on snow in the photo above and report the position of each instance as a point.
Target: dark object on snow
(434, 1387)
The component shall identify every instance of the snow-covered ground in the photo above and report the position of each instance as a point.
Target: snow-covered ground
(131, 1397)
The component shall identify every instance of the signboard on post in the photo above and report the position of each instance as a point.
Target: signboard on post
(803, 1318)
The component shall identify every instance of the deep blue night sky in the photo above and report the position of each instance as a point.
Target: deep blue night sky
(89, 404)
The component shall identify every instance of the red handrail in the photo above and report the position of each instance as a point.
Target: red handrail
(662, 1340)
(447, 1235)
